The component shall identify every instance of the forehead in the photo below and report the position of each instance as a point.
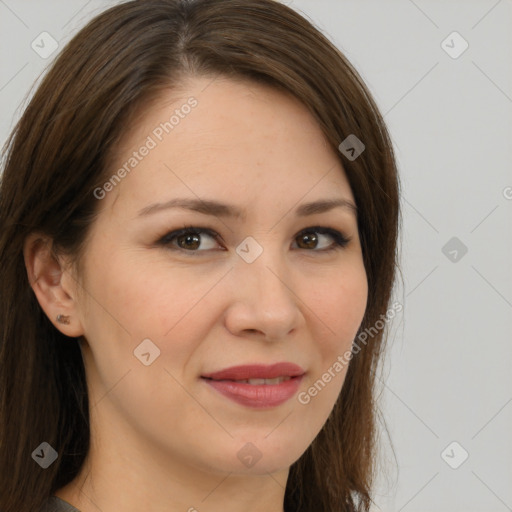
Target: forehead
(224, 110)
(214, 135)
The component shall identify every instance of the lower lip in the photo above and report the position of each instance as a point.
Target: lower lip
(257, 396)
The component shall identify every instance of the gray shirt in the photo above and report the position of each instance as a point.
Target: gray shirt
(55, 504)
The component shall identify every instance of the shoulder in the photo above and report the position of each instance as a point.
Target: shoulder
(55, 504)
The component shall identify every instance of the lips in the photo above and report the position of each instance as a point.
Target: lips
(257, 386)
(257, 371)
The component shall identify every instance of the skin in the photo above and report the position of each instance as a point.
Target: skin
(161, 438)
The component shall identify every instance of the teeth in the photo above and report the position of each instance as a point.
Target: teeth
(259, 382)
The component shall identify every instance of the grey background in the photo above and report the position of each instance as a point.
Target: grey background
(447, 374)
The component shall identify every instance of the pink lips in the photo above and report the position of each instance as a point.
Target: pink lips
(257, 395)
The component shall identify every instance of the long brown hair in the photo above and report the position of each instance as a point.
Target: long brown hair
(57, 155)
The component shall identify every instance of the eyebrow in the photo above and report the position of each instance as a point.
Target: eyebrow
(217, 209)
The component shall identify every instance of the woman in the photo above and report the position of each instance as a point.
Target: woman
(199, 213)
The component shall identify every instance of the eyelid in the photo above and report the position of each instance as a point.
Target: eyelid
(165, 240)
(340, 239)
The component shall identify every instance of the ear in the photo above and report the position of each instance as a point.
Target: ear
(53, 285)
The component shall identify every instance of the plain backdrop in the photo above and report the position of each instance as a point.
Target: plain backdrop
(440, 72)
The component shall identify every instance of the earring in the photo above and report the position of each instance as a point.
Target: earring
(63, 319)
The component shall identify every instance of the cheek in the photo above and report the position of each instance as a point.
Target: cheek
(339, 304)
(174, 307)
(158, 298)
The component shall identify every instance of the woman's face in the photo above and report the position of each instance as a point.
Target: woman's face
(164, 310)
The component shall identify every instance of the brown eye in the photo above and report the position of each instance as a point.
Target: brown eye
(194, 240)
(190, 239)
(311, 238)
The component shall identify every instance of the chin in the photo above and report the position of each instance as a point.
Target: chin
(258, 455)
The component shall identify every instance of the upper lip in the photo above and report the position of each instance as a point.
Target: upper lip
(257, 371)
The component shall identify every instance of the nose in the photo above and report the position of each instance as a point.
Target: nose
(263, 301)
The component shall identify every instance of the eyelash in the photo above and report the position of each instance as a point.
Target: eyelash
(340, 240)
